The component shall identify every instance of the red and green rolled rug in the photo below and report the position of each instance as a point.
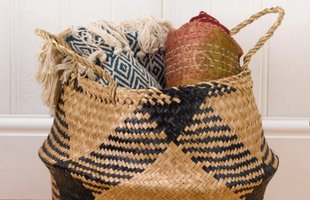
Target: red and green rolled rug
(201, 50)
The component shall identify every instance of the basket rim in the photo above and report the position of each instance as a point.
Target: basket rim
(226, 80)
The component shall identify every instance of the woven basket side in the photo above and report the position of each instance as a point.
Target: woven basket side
(115, 150)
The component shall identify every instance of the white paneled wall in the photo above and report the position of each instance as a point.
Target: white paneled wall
(29, 14)
(289, 62)
(280, 71)
(123, 10)
(5, 53)
(78, 12)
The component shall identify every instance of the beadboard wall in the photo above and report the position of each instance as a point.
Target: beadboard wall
(280, 71)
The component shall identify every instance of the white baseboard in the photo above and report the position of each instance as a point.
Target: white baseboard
(23, 175)
(41, 123)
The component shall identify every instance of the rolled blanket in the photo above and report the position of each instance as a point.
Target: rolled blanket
(201, 50)
(121, 50)
(147, 40)
(119, 62)
(131, 52)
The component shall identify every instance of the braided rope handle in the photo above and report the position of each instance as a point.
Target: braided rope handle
(247, 58)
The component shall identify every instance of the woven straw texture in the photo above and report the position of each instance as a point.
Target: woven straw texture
(202, 141)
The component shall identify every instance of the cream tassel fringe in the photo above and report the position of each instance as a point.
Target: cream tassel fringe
(52, 66)
(152, 33)
(111, 34)
(55, 68)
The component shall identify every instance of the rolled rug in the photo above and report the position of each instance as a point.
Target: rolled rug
(201, 50)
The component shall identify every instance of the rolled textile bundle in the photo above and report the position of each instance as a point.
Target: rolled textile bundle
(201, 50)
(147, 40)
(132, 53)
(118, 61)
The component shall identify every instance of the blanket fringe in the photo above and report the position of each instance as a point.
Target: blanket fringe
(55, 68)
(51, 67)
(152, 33)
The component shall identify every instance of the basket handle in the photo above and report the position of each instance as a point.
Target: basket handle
(63, 47)
(247, 58)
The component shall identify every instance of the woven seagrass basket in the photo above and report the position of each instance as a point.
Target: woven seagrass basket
(202, 141)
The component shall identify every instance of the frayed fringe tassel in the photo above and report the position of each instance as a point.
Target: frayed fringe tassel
(51, 66)
(112, 34)
(152, 33)
(54, 70)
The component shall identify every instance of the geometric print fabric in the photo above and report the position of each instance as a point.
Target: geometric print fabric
(126, 68)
